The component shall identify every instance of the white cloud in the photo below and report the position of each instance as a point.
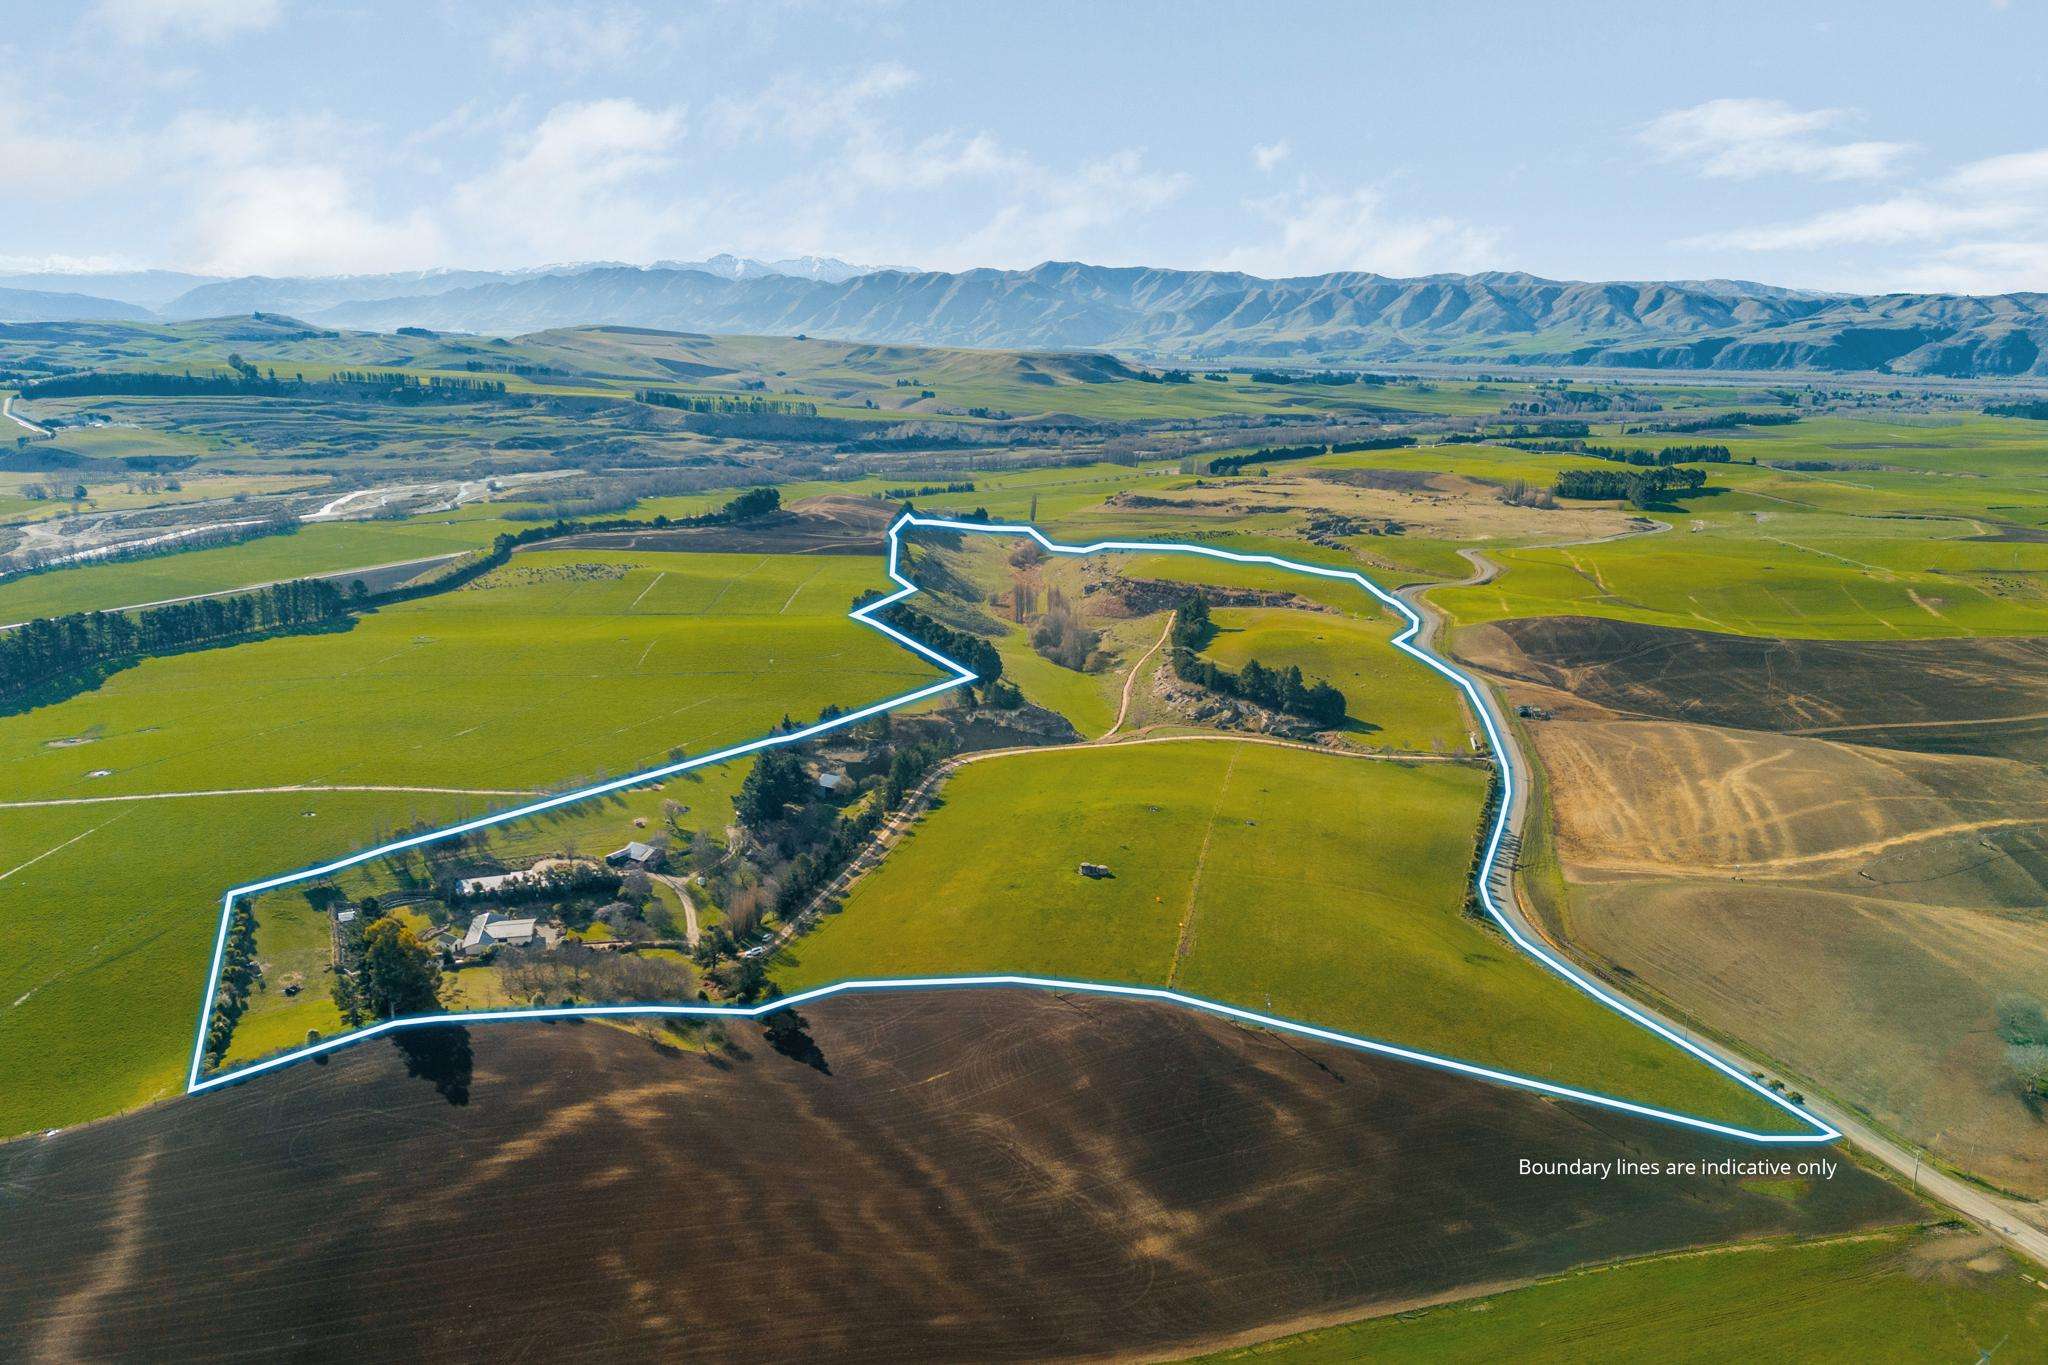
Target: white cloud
(805, 109)
(2017, 173)
(286, 219)
(141, 22)
(46, 159)
(61, 264)
(590, 179)
(1321, 231)
(882, 163)
(1740, 139)
(1979, 228)
(1905, 218)
(1981, 267)
(1267, 155)
(1052, 215)
(575, 38)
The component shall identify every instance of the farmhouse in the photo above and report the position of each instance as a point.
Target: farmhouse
(636, 854)
(488, 931)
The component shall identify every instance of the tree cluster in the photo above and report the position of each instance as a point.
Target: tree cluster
(776, 781)
(721, 406)
(971, 651)
(1640, 488)
(1331, 377)
(1276, 689)
(1061, 636)
(397, 974)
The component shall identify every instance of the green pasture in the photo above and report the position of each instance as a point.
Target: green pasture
(1310, 885)
(1757, 572)
(1392, 701)
(1900, 1296)
(560, 668)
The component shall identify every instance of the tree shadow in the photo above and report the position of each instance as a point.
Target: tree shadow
(440, 1055)
(789, 1033)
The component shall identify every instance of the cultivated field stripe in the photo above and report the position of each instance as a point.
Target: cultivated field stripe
(651, 583)
(1186, 937)
(21, 867)
(960, 676)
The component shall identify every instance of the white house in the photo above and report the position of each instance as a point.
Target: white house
(488, 931)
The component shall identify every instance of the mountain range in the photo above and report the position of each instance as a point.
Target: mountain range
(1348, 318)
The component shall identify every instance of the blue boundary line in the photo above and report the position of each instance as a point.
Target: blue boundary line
(960, 676)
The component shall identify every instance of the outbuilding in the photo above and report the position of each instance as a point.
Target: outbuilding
(646, 857)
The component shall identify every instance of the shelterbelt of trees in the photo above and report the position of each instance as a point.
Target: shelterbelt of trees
(53, 651)
(247, 382)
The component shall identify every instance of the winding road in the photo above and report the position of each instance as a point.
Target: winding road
(7, 411)
(2000, 1217)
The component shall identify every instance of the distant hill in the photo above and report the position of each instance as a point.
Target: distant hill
(830, 269)
(309, 296)
(39, 305)
(145, 288)
(645, 353)
(1199, 316)
(1347, 318)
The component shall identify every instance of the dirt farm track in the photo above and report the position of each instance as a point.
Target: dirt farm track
(959, 1175)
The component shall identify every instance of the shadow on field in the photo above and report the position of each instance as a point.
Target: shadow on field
(439, 1055)
(789, 1033)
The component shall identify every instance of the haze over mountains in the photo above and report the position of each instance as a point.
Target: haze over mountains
(1344, 318)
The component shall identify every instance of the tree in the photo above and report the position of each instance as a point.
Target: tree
(347, 999)
(399, 975)
(906, 770)
(777, 779)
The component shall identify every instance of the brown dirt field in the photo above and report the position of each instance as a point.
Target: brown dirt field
(1443, 507)
(1933, 696)
(960, 1176)
(1855, 913)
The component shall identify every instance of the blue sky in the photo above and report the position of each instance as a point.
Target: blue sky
(1870, 146)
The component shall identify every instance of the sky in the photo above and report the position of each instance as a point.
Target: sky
(1874, 146)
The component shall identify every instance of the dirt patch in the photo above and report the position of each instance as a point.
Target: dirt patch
(989, 1175)
(1959, 696)
(1856, 913)
(1400, 480)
